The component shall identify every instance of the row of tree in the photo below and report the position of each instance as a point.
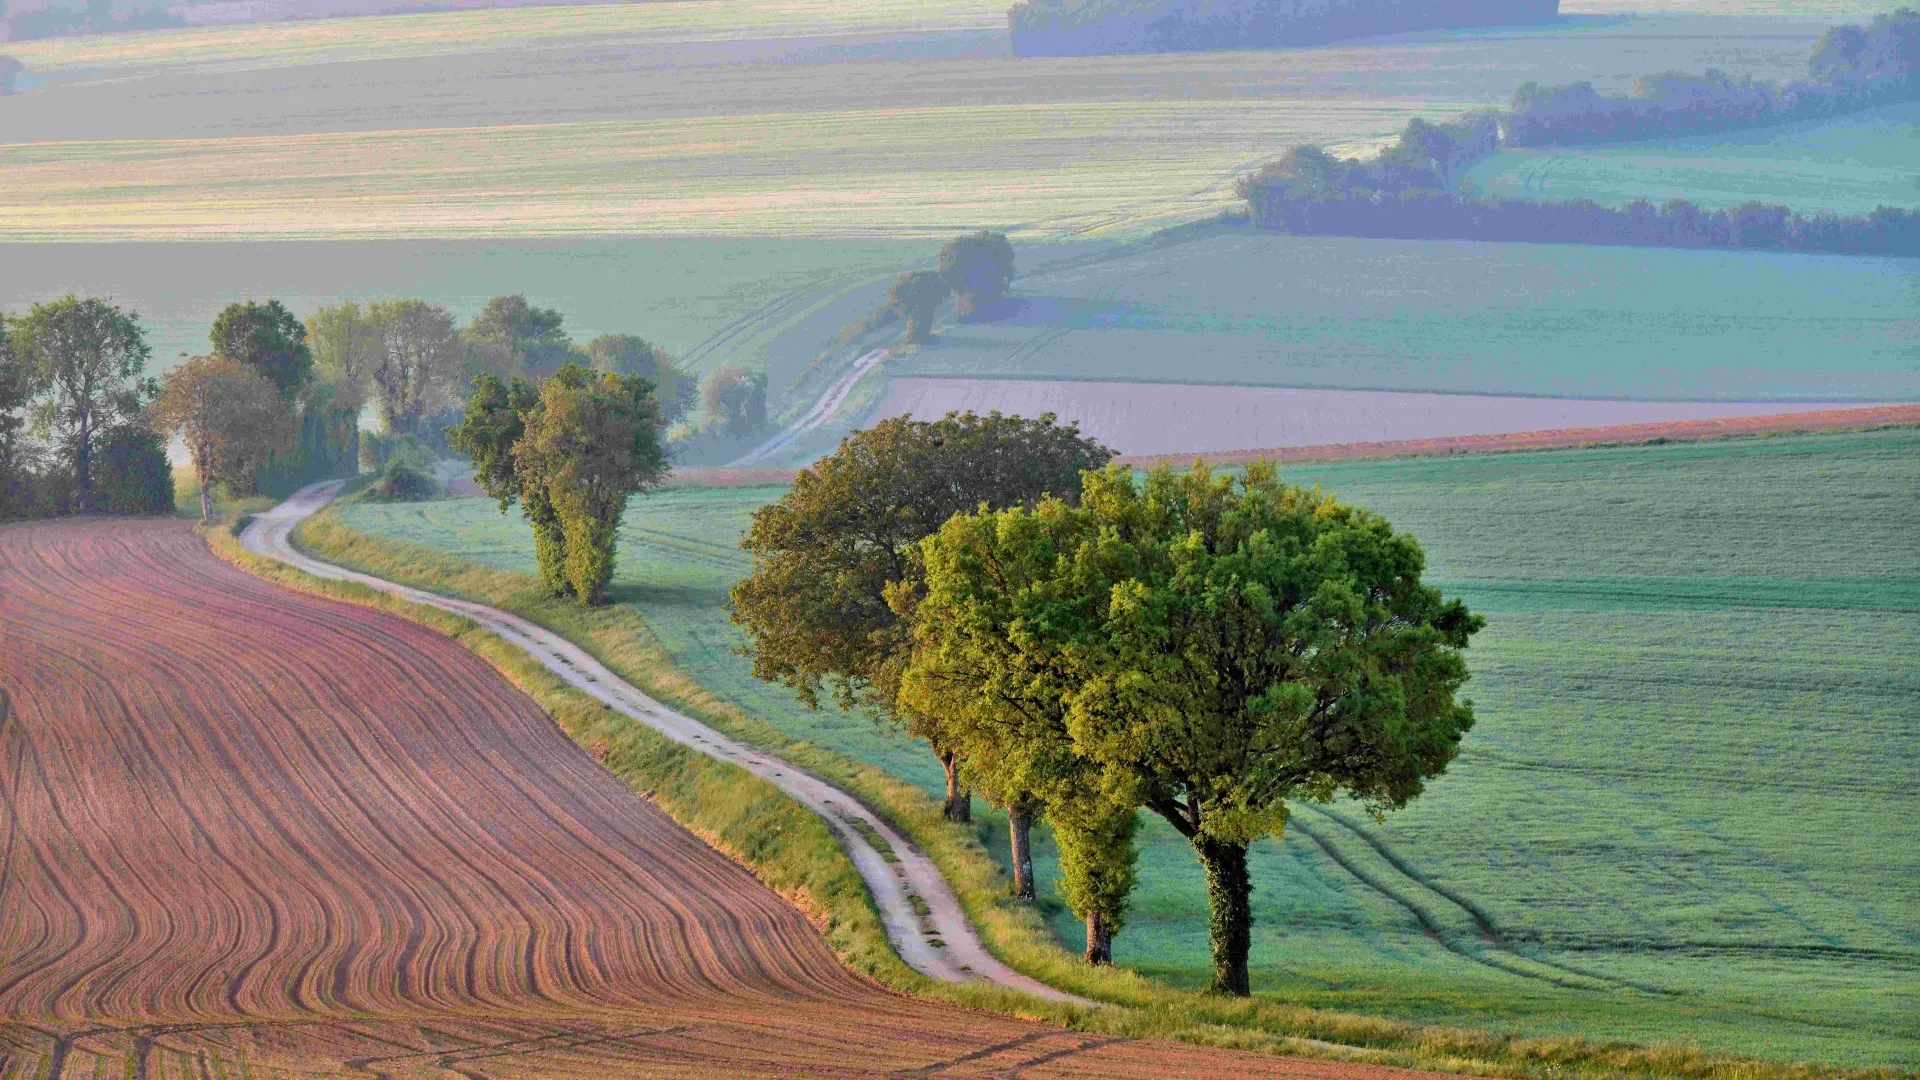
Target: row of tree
(1077, 644)
(1441, 215)
(1850, 68)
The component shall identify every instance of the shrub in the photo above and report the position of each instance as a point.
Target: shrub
(131, 474)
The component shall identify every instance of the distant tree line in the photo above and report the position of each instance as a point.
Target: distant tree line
(1412, 190)
(1851, 68)
(1093, 27)
(1078, 644)
(92, 17)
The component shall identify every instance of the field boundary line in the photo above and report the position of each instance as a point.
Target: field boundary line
(893, 884)
(1561, 438)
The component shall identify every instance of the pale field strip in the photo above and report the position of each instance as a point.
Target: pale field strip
(373, 37)
(1106, 168)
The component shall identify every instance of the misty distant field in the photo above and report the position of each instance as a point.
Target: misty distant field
(1848, 166)
(759, 118)
(1239, 306)
(1686, 809)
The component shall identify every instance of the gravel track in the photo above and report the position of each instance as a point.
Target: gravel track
(249, 831)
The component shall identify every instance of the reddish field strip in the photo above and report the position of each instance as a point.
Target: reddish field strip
(1564, 438)
(247, 828)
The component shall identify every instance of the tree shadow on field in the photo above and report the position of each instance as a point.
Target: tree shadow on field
(1069, 313)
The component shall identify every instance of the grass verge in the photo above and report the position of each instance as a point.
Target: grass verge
(1015, 932)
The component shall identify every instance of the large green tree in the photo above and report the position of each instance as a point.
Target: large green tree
(815, 608)
(993, 620)
(88, 361)
(1256, 643)
(978, 267)
(267, 338)
(591, 442)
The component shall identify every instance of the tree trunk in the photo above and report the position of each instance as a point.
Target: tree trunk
(1099, 939)
(1229, 898)
(959, 800)
(206, 501)
(1019, 826)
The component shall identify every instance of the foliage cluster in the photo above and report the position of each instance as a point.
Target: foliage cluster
(572, 450)
(1094, 27)
(1851, 68)
(73, 430)
(93, 17)
(10, 69)
(1205, 651)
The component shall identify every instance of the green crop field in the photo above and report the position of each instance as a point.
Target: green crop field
(1848, 166)
(1238, 306)
(1687, 813)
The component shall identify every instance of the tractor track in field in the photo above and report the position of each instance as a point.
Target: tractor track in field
(254, 832)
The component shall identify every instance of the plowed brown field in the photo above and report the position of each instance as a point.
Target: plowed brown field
(249, 832)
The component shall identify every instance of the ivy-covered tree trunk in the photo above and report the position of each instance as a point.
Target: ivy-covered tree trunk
(959, 808)
(590, 540)
(206, 499)
(1099, 939)
(549, 543)
(1230, 903)
(1020, 829)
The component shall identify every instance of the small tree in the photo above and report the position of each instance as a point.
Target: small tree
(269, 339)
(18, 457)
(978, 268)
(89, 360)
(735, 400)
(917, 297)
(1255, 643)
(1097, 870)
(10, 70)
(418, 363)
(591, 442)
(815, 609)
(513, 338)
(230, 416)
(625, 354)
(345, 343)
(130, 472)
(494, 422)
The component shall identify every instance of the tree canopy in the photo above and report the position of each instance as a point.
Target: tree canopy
(629, 354)
(815, 608)
(572, 451)
(269, 339)
(735, 400)
(417, 367)
(512, 337)
(87, 360)
(978, 268)
(916, 296)
(230, 416)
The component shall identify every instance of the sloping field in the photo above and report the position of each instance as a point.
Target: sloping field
(1173, 418)
(248, 832)
(1685, 815)
(907, 172)
(1849, 166)
(1235, 306)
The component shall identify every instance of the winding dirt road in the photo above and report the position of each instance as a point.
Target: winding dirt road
(245, 831)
